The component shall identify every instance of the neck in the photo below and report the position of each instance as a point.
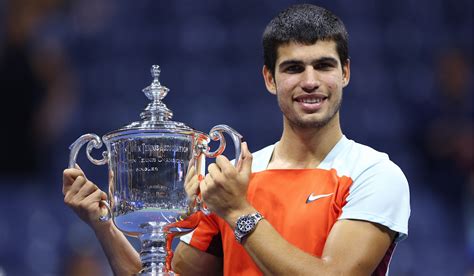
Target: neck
(301, 148)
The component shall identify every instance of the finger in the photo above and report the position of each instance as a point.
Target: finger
(195, 186)
(214, 171)
(191, 182)
(203, 188)
(208, 181)
(190, 174)
(226, 167)
(222, 161)
(192, 186)
(92, 201)
(86, 189)
(191, 163)
(95, 196)
(69, 176)
(243, 152)
(190, 179)
(79, 168)
(73, 189)
(103, 195)
(239, 162)
(247, 159)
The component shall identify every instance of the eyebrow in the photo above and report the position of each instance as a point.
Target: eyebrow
(316, 61)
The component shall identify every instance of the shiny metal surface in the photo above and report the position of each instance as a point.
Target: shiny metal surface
(147, 180)
(148, 162)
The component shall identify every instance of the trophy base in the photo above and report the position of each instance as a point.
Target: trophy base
(154, 251)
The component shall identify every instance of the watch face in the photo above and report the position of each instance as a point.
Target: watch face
(246, 224)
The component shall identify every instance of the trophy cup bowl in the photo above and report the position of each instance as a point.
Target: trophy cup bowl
(148, 163)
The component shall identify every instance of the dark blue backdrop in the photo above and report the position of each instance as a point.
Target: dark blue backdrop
(411, 69)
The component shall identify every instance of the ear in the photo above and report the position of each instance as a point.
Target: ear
(269, 80)
(346, 73)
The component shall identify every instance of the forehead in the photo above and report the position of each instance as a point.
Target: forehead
(302, 52)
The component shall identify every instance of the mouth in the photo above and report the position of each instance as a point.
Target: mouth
(310, 102)
(310, 98)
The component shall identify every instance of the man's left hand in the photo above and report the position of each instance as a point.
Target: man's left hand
(224, 189)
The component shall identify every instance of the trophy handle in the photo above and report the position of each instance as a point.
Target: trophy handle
(216, 134)
(93, 142)
(109, 211)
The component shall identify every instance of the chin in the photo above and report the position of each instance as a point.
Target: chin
(307, 123)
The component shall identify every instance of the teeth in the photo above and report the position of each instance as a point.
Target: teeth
(311, 101)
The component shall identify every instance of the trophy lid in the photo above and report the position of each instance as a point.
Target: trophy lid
(156, 117)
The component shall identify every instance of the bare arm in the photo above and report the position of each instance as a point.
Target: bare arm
(84, 197)
(188, 260)
(122, 257)
(352, 247)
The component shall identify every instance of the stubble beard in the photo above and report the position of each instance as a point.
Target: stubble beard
(310, 124)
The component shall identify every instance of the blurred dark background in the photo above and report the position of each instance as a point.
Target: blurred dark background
(71, 67)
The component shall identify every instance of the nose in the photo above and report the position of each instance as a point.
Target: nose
(310, 81)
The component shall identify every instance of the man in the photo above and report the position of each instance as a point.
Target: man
(329, 205)
(314, 203)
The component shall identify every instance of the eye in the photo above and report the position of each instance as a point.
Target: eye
(292, 69)
(324, 66)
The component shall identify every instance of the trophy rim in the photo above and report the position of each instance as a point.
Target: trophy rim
(128, 131)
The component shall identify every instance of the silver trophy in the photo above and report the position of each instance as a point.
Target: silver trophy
(148, 164)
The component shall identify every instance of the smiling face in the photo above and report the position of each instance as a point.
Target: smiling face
(308, 83)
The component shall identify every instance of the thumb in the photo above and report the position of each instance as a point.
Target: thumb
(79, 168)
(246, 160)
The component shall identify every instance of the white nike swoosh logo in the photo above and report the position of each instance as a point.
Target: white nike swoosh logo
(313, 197)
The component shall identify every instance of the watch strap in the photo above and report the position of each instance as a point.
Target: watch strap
(254, 218)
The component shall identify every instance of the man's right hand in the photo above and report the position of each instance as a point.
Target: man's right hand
(191, 183)
(83, 197)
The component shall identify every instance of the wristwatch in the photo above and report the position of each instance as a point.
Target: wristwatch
(245, 225)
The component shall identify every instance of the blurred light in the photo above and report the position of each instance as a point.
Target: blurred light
(43, 242)
(196, 34)
(80, 238)
(43, 227)
(42, 257)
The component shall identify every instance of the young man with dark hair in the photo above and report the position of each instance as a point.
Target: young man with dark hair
(314, 203)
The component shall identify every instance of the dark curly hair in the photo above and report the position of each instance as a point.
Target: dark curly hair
(305, 24)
